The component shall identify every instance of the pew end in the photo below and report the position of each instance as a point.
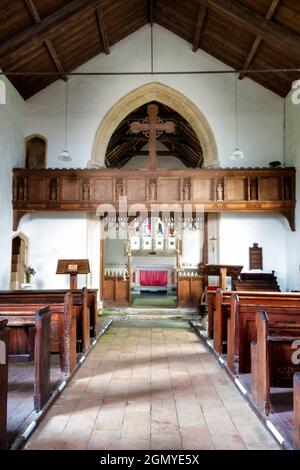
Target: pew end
(297, 410)
(260, 376)
(4, 342)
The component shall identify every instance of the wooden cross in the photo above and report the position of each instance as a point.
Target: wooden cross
(152, 127)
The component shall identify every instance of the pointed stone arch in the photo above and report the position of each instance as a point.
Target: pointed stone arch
(166, 95)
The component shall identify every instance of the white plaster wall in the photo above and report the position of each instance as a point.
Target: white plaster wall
(192, 247)
(260, 110)
(52, 237)
(237, 232)
(11, 155)
(293, 159)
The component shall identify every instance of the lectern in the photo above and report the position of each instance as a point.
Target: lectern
(73, 267)
(222, 270)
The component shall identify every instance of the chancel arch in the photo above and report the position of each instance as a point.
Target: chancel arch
(154, 92)
(177, 147)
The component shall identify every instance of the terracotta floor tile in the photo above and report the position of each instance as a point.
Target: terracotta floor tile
(164, 441)
(144, 388)
(104, 440)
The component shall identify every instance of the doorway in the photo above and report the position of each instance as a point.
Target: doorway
(18, 260)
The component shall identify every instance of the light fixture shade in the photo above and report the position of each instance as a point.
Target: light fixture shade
(237, 154)
(65, 156)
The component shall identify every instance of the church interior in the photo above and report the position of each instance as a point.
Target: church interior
(150, 263)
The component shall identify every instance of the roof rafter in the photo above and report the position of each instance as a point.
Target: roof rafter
(102, 29)
(41, 30)
(256, 24)
(199, 26)
(258, 39)
(48, 43)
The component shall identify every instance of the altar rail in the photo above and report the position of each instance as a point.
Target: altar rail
(219, 190)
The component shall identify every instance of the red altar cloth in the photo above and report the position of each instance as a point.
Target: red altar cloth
(154, 278)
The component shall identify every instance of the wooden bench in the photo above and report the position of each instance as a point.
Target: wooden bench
(31, 300)
(256, 282)
(241, 329)
(22, 318)
(53, 297)
(219, 311)
(4, 340)
(272, 363)
(297, 410)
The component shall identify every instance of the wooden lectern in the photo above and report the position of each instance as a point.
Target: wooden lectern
(73, 267)
(222, 270)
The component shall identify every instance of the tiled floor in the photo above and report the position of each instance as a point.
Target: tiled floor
(151, 388)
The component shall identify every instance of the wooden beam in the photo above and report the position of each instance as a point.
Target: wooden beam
(159, 153)
(40, 31)
(102, 30)
(151, 9)
(199, 26)
(48, 43)
(142, 138)
(256, 24)
(165, 116)
(258, 39)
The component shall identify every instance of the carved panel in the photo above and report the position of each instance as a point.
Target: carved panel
(70, 188)
(53, 193)
(253, 189)
(236, 189)
(270, 189)
(119, 188)
(37, 189)
(168, 189)
(136, 189)
(186, 189)
(202, 189)
(102, 189)
(21, 189)
(152, 191)
(220, 189)
(86, 189)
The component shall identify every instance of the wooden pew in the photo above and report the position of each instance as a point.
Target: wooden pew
(4, 340)
(256, 282)
(219, 308)
(297, 410)
(65, 318)
(241, 329)
(27, 299)
(272, 362)
(53, 297)
(42, 363)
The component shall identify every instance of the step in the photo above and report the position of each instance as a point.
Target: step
(153, 313)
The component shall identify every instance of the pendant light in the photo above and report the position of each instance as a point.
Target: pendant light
(65, 155)
(237, 154)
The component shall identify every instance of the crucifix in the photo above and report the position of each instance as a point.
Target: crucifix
(152, 126)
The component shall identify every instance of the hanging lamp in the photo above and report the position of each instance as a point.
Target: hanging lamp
(237, 154)
(65, 155)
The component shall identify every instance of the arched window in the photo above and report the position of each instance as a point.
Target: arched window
(36, 149)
